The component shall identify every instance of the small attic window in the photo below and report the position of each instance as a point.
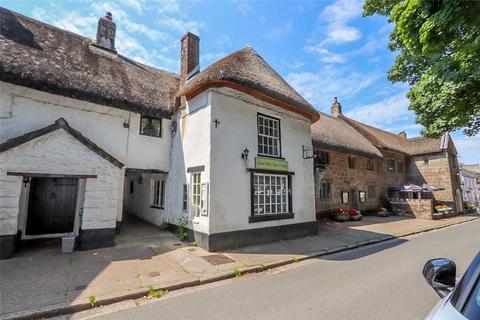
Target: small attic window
(151, 127)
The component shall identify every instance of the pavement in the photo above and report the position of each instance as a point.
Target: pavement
(43, 282)
(380, 281)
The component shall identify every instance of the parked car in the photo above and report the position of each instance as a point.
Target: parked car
(460, 300)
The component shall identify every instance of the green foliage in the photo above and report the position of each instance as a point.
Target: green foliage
(238, 273)
(92, 300)
(181, 230)
(156, 293)
(439, 56)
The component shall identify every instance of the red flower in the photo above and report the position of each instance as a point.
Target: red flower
(353, 212)
(339, 210)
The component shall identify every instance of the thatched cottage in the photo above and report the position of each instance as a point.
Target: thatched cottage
(88, 135)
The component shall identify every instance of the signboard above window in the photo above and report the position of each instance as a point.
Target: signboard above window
(271, 164)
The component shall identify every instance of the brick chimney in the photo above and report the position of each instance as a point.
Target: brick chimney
(190, 56)
(403, 134)
(336, 109)
(106, 32)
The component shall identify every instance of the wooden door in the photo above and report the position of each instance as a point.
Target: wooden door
(353, 200)
(51, 208)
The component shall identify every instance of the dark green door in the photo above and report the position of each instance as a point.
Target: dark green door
(51, 207)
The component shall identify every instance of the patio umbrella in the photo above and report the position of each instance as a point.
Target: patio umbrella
(411, 188)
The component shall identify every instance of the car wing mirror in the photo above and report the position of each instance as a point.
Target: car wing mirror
(440, 275)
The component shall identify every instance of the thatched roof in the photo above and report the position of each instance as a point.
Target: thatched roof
(57, 125)
(246, 71)
(385, 140)
(334, 134)
(40, 56)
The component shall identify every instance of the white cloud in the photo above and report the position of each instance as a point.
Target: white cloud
(209, 57)
(319, 88)
(243, 6)
(468, 143)
(337, 16)
(279, 32)
(326, 55)
(468, 148)
(383, 113)
(136, 5)
(181, 25)
(293, 65)
(168, 7)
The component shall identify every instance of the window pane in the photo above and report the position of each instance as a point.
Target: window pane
(151, 126)
(271, 197)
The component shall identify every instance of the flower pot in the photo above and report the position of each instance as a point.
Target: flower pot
(357, 217)
(383, 213)
(340, 217)
(437, 216)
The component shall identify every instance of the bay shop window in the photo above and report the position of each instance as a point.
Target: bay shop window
(271, 196)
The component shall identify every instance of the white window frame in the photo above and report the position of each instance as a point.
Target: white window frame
(269, 136)
(196, 185)
(158, 193)
(281, 203)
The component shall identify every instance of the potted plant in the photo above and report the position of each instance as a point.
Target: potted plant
(354, 215)
(382, 212)
(340, 215)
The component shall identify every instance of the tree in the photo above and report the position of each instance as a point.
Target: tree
(439, 56)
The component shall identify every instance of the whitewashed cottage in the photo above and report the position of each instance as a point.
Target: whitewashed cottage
(88, 135)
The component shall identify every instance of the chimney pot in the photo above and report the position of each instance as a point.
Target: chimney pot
(403, 134)
(190, 56)
(336, 108)
(106, 32)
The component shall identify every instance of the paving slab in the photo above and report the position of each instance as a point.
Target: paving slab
(47, 280)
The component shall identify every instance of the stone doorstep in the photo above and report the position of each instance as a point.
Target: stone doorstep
(69, 308)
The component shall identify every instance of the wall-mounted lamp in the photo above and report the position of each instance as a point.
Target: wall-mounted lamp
(140, 180)
(245, 154)
(25, 181)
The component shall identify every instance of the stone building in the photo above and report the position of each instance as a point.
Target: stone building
(359, 166)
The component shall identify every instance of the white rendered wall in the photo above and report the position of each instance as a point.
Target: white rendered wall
(23, 110)
(60, 153)
(230, 207)
(139, 202)
(190, 148)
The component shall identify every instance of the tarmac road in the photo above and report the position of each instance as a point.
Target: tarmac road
(382, 281)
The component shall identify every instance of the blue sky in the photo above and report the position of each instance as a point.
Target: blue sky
(322, 48)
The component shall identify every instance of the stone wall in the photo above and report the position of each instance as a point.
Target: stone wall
(342, 178)
(440, 171)
(393, 179)
(417, 208)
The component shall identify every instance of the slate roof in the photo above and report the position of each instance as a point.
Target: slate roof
(60, 123)
(43, 57)
(334, 134)
(245, 70)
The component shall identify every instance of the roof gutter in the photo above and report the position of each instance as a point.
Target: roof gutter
(194, 91)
